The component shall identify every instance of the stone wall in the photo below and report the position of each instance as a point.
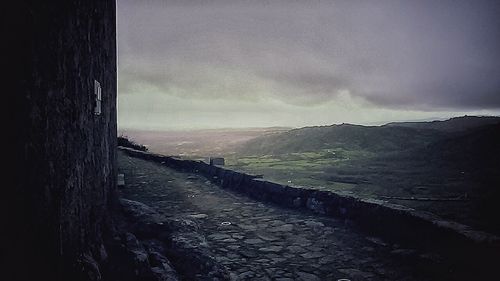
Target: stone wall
(392, 222)
(63, 172)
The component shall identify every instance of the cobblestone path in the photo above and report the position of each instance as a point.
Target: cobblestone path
(260, 241)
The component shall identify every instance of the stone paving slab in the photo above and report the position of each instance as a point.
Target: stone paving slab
(258, 241)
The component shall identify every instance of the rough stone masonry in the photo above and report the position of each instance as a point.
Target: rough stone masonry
(60, 157)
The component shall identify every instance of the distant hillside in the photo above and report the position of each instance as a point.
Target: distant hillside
(477, 146)
(346, 136)
(393, 137)
(455, 124)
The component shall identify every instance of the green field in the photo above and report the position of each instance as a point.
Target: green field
(303, 169)
(363, 174)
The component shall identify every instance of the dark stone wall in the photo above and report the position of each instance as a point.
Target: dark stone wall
(62, 172)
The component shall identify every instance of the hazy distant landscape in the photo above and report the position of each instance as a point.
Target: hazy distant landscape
(447, 167)
(198, 143)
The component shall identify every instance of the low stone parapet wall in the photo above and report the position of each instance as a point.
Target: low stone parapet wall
(391, 222)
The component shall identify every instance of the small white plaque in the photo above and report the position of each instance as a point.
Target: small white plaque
(98, 97)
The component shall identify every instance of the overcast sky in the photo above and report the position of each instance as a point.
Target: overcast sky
(209, 64)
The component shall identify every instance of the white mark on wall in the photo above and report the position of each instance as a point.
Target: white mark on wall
(98, 97)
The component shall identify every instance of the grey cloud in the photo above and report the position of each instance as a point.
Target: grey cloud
(415, 54)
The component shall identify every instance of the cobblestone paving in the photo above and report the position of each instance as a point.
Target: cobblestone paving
(260, 241)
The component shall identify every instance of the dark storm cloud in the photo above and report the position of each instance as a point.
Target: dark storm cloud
(422, 55)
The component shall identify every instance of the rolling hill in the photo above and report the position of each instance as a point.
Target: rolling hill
(476, 150)
(455, 124)
(387, 138)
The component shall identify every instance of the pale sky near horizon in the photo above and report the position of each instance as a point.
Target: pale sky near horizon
(232, 64)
